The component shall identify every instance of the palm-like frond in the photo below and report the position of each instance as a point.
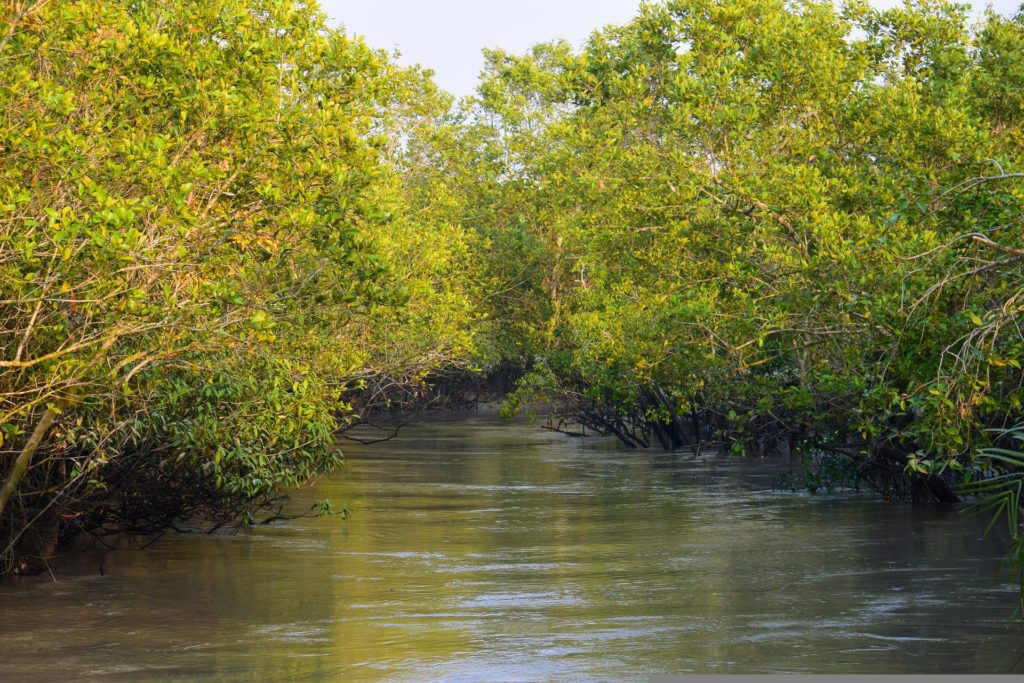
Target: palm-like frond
(999, 494)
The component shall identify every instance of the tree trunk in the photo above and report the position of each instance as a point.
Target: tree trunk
(24, 458)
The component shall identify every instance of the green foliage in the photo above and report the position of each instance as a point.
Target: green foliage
(767, 223)
(781, 217)
(206, 236)
(998, 486)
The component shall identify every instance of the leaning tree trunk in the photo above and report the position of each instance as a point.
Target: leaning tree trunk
(22, 463)
(24, 458)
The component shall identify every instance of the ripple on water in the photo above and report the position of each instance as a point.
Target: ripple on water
(497, 551)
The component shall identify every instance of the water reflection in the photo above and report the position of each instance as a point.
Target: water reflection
(487, 551)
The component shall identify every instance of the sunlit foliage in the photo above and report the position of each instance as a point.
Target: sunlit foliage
(204, 236)
(763, 224)
(780, 224)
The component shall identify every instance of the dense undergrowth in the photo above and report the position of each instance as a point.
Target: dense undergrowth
(228, 231)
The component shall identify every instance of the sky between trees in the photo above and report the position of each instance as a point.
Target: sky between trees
(448, 35)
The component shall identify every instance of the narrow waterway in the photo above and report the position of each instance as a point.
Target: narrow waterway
(487, 551)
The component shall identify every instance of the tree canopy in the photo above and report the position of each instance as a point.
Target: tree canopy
(205, 240)
(772, 225)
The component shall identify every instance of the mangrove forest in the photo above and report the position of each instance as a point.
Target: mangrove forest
(232, 232)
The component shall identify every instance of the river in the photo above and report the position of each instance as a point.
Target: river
(479, 550)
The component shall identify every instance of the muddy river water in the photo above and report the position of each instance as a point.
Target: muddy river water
(479, 550)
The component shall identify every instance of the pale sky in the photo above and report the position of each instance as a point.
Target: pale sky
(448, 35)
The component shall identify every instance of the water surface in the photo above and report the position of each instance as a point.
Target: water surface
(487, 551)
